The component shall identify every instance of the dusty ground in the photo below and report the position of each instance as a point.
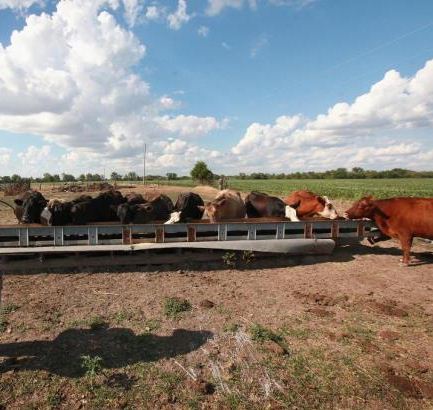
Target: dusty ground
(355, 331)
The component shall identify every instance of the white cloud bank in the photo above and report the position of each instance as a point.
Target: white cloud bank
(350, 134)
(69, 77)
(19, 4)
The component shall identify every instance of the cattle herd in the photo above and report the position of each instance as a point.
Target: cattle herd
(400, 218)
(111, 206)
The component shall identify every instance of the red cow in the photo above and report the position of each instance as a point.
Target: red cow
(399, 218)
(308, 204)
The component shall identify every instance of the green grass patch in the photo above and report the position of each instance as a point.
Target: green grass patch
(174, 307)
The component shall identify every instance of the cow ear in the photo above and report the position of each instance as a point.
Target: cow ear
(18, 202)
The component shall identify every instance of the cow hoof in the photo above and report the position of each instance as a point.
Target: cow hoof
(403, 265)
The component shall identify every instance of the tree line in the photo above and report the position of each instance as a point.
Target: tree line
(203, 174)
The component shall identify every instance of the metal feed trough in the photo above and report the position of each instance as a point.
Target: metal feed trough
(19, 244)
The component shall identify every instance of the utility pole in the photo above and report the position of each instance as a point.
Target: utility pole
(144, 165)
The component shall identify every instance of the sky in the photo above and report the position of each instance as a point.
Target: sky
(245, 85)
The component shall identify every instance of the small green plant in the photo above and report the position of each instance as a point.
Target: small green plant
(54, 399)
(174, 306)
(9, 308)
(91, 365)
(97, 322)
(231, 327)
(248, 257)
(150, 325)
(261, 334)
(122, 316)
(229, 259)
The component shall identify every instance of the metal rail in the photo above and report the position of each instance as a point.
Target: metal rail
(95, 236)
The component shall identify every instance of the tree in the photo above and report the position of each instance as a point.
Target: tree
(201, 172)
(131, 176)
(68, 178)
(16, 178)
(115, 176)
(171, 176)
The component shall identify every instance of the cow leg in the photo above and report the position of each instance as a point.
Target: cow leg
(406, 244)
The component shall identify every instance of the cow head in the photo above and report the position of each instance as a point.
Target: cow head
(328, 211)
(31, 207)
(174, 218)
(127, 212)
(364, 208)
(213, 209)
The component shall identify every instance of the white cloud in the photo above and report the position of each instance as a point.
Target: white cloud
(226, 46)
(153, 13)
(203, 31)
(188, 126)
(19, 4)
(5, 157)
(133, 8)
(34, 155)
(350, 133)
(177, 19)
(215, 7)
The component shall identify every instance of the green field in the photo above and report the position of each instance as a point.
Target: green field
(334, 188)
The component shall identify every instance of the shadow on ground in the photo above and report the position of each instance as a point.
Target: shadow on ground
(118, 347)
(344, 252)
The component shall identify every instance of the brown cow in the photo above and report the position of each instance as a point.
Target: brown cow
(308, 205)
(400, 218)
(227, 205)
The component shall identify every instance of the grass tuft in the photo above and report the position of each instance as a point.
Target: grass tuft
(174, 307)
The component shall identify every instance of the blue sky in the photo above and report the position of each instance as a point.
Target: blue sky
(217, 95)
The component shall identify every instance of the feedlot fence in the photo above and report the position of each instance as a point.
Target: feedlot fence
(27, 238)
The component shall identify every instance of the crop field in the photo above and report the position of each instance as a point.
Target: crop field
(334, 188)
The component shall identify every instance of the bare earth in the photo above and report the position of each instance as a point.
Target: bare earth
(353, 330)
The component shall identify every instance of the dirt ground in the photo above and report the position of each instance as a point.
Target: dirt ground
(353, 330)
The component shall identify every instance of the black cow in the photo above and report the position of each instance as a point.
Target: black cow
(158, 209)
(187, 208)
(58, 212)
(29, 207)
(134, 198)
(262, 205)
(99, 209)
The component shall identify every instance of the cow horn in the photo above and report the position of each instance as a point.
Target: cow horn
(9, 205)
